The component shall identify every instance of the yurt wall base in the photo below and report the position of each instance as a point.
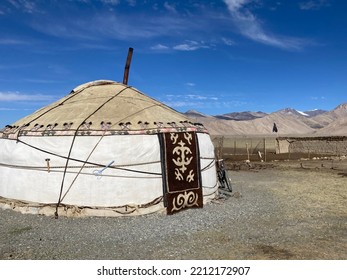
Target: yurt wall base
(77, 211)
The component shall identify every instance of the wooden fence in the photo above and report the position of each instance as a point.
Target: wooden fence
(280, 148)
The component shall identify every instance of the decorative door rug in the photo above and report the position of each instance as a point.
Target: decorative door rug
(182, 170)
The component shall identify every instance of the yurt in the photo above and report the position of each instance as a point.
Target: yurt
(106, 149)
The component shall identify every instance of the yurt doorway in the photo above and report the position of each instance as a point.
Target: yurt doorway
(181, 171)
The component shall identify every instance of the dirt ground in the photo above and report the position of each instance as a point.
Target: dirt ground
(278, 210)
(308, 218)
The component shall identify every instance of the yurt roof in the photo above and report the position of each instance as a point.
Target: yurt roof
(103, 103)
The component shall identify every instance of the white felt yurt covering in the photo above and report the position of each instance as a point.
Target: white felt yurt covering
(99, 151)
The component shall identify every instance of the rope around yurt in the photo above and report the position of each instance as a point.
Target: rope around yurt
(78, 173)
(73, 142)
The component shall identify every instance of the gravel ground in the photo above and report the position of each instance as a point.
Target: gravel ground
(276, 212)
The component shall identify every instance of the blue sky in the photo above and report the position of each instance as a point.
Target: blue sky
(215, 57)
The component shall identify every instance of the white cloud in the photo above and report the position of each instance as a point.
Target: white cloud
(185, 102)
(313, 5)
(190, 84)
(228, 42)
(42, 81)
(196, 97)
(15, 96)
(131, 3)
(109, 24)
(97, 29)
(202, 101)
(6, 41)
(189, 100)
(318, 97)
(110, 2)
(171, 8)
(105, 2)
(190, 46)
(8, 109)
(185, 47)
(159, 47)
(178, 104)
(26, 6)
(114, 25)
(14, 109)
(252, 28)
(235, 5)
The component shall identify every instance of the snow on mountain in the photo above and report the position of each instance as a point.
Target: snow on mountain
(315, 112)
(303, 113)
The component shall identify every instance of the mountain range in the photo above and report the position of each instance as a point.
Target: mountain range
(288, 121)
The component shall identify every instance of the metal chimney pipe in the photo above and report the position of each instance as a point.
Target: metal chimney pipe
(127, 66)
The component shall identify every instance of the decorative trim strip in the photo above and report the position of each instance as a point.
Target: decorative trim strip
(15, 134)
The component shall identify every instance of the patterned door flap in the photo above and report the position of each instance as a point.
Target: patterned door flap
(182, 169)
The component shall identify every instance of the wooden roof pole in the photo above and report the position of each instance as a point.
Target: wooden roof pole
(127, 66)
